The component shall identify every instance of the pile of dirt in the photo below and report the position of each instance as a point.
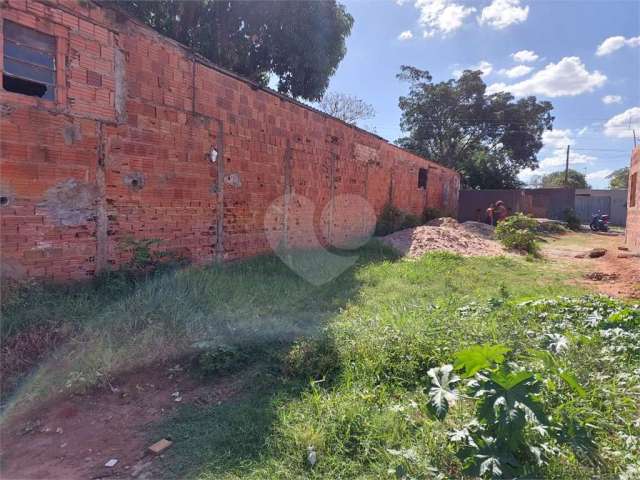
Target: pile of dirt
(483, 230)
(445, 235)
(443, 222)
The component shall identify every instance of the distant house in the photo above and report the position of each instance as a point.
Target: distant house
(609, 202)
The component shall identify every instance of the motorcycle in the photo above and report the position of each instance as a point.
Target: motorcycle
(599, 223)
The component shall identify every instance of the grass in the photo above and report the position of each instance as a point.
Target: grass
(339, 370)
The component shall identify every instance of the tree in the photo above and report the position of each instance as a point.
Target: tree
(347, 108)
(489, 139)
(575, 179)
(301, 43)
(619, 178)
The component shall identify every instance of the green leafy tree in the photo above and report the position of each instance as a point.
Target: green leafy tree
(489, 139)
(619, 178)
(301, 43)
(575, 179)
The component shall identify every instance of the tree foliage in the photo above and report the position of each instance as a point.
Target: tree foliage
(347, 108)
(575, 179)
(489, 139)
(619, 178)
(301, 43)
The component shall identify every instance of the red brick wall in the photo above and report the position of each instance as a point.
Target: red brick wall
(123, 152)
(633, 212)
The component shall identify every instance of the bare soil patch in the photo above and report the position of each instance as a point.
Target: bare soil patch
(446, 235)
(73, 437)
(612, 273)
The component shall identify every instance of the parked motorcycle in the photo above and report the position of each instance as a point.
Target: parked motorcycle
(599, 223)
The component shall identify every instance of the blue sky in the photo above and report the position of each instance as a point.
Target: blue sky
(583, 56)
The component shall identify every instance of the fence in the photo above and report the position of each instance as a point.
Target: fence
(609, 202)
(538, 202)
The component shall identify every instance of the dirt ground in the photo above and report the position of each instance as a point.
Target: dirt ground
(616, 273)
(445, 235)
(73, 437)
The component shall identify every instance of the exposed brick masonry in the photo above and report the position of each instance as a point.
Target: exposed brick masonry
(633, 207)
(124, 150)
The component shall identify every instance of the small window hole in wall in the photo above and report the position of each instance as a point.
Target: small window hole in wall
(29, 61)
(423, 174)
(4, 201)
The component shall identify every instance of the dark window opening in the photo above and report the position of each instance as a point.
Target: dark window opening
(29, 61)
(422, 178)
(633, 187)
(26, 87)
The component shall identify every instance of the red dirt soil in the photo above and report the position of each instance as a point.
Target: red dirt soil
(73, 437)
(621, 270)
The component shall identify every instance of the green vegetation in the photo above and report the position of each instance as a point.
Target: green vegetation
(431, 368)
(519, 232)
(393, 219)
(572, 219)
(431, 213)
(258, 40)
(575, 179)
(488, 139)
(619, 178)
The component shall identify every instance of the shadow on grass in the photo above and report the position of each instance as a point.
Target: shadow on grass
(259, 306)
(229, 438)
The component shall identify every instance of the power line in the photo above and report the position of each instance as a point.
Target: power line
(601, 149)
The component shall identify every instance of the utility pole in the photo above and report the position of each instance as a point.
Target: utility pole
(566, 168)
(634, 138)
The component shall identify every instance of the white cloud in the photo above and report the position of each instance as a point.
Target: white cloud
(557, 138)
(441, 16)
(517, 71)
(598, 175)
(503, 13)
(609, 99)
(582, 131)
(555, 142)
(568, 77)
(496, 88)
(525, 56)
(621, 125)
(558, 158)
(485, 67)
(612, 44)
(406, 35)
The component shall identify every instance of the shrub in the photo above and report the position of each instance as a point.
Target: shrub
(389, 221)
(573, 222)
(393, 219)
(430, 213)
(552, 227)
(518, 232)
(410, 221)
(146, 258)
(311, 359)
